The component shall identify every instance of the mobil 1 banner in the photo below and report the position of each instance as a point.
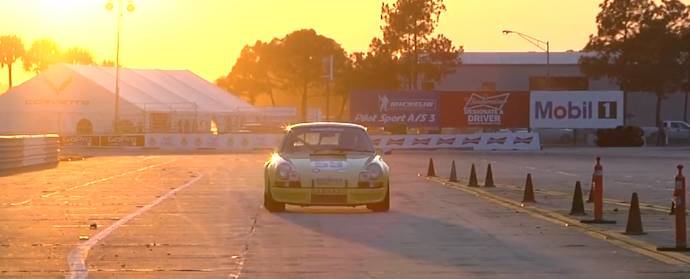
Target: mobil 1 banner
(416, 109)
(576, 109)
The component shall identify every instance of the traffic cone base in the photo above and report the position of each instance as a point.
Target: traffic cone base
(489, 180)
(453, 175)
(673, 249)
(528, 195)
(634, 225)
(430, 172)
(602, 221)
(473, 178)
(578, 207)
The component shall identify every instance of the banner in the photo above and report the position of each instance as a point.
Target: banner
(414, 109)
(122, 140)
(483, 141)
(503, 109)
(576, 109)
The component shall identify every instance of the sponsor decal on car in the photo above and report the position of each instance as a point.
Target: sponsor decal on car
(329, 165)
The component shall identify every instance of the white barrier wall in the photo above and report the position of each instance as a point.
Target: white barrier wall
(237, 142)
(245, 142)
(25, 151)
(488, 141)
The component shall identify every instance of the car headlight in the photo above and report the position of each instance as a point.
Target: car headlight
(285, 171)
(374, 172)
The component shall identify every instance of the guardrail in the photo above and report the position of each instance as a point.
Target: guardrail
(238, 142)
(247, 142)
(27, 151)
(481, 141)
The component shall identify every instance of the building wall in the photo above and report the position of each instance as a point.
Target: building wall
(640, 106)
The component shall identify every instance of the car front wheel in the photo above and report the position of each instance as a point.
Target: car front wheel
(382, 206)
(272, 205)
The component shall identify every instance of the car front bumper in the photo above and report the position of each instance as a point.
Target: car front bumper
(328, 196)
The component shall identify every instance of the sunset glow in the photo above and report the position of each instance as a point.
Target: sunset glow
(206, 36)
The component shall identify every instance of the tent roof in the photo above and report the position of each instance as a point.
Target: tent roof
(164, 90)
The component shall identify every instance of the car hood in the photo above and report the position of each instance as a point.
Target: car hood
(331, 165)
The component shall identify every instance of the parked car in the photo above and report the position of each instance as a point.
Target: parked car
(678, 132)
(621, 136)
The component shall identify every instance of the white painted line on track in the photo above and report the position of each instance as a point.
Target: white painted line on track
(21, 202)
(77, 257)
(565, 173)
(92, 182)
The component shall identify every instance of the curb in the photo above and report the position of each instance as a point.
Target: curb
(613, 237)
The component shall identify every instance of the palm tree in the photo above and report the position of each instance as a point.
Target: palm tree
(11, 49)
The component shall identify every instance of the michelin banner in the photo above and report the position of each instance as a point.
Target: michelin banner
(414, 109)
(576, 109)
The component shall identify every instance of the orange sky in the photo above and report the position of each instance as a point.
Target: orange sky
(205, 36)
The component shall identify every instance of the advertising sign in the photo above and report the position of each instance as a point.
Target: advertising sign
(481, 141)
(417, 109)
(122, 140)
(507, 109)
(576, 109)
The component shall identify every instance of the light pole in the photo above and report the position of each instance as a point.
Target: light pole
(328, 76)
(130, 8)
(539, 44)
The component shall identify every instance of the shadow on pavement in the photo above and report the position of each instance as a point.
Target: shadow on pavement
(418, 237)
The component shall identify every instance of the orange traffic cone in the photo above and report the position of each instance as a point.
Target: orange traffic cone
(489, 181)
(528, 196)
(634, 226)
(430, 171)
(578, 207)
(473, 178)
(453, 175)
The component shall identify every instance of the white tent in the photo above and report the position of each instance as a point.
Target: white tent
(64, 97)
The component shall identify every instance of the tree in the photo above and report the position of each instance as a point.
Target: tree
(250, 76)
(373, 70)
(623, 50)
(296, 62)
(42, 54)
(408, 35)
(11, 49)
(77, 55)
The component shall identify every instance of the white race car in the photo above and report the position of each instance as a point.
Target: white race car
(326, 163)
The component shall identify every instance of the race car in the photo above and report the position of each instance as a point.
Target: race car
(326, 164)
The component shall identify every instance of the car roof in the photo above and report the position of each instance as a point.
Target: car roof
(325, 124)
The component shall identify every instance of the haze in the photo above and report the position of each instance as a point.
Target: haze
(206, 36)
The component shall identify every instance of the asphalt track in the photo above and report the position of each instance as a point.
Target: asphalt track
(200, 216)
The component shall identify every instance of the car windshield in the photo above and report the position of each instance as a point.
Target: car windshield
(326, 139)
